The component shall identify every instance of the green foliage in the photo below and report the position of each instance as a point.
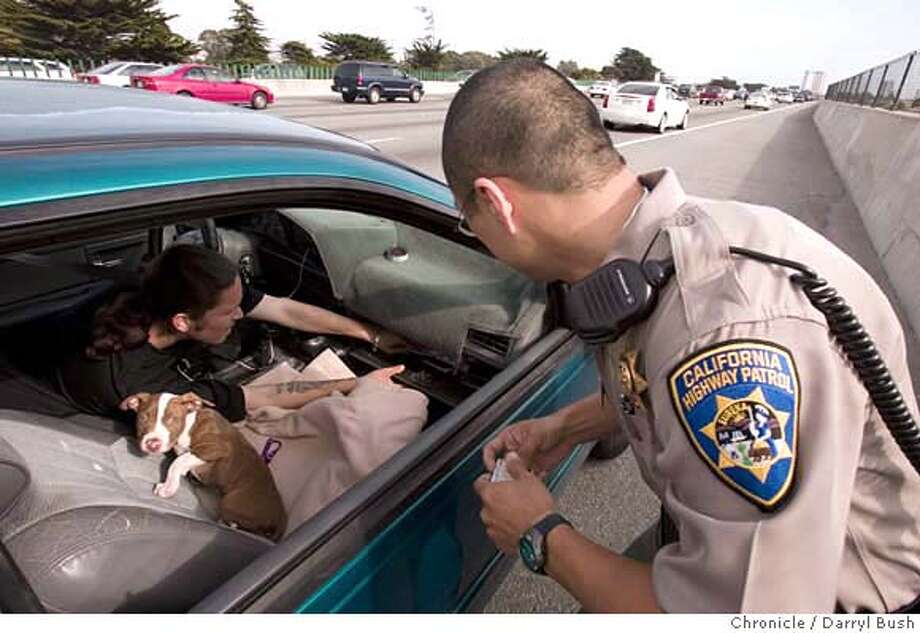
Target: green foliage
(93, 29)
(295, 52)
(725, 82)
(425, 53)
(588, 74)
(342, 46)
(247, 44)
(470, 60)
(216, 44)
(12, 14)
(532, 53)
(633, 65)
(568, 68)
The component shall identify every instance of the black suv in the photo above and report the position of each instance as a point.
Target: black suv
(375, 81)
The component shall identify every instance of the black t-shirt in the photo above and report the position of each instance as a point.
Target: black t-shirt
(99, 386)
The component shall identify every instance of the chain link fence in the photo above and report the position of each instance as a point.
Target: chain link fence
(893, 86)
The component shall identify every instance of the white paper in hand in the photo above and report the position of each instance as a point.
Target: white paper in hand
(501, 471)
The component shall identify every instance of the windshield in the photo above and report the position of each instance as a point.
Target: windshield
(168, 70)
(639, 89)
(105, 69)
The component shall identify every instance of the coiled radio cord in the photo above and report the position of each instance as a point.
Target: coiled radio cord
(860, 351)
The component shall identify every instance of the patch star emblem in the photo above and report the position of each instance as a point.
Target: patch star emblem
(738, 402)
(632, 382)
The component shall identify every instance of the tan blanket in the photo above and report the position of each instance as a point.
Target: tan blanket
(317, 452)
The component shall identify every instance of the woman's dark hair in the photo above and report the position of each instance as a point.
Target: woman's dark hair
(183, 278)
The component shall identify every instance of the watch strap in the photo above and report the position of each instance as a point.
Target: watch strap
(540, 532)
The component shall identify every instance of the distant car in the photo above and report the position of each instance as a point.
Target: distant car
(117, 73)
(741, 93)
(600, 89)
(28, 68)
(713, 94)
(205, 82)
(729, 95)
(684, 90)
(645, 103)
(463, 75)
(374, 81)
(758, 100)
(784, 97)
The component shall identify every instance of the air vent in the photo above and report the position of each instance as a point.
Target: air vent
(488, 346)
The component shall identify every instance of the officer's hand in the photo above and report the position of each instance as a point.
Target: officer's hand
(509, 508)
(540, 443)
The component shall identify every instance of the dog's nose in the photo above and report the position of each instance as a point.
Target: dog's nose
(152, 445)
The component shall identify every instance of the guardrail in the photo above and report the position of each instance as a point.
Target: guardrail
(893, 86)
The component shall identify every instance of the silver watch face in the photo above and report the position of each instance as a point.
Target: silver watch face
(530, 548)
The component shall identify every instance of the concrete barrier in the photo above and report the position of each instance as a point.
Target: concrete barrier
(320, 87)
(877, 154)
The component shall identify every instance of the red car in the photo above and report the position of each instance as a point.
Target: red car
(713, 95)
(204, 82)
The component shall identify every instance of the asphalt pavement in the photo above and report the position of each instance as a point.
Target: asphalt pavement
(775, 158)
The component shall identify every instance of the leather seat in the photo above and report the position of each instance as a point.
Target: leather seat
(78, 515)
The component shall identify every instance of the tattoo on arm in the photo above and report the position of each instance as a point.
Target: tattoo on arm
(302, 386)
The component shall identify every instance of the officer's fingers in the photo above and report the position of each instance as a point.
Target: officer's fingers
(492, 450)
(516, 467)
(481, 485)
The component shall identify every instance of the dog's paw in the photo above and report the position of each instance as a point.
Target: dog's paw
(165, 490)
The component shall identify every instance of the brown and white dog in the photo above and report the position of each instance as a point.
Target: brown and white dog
(215, 452)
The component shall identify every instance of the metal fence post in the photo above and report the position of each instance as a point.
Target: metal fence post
(881, 85)
(897, 97)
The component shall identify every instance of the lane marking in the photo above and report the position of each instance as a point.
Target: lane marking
(743, 117)
(383, 140)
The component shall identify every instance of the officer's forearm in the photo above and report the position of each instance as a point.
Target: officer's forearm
(601, 580)
(588, 419)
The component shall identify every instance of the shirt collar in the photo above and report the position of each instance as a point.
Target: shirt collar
(665, 196)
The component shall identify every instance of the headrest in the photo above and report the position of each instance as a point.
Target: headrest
(14, 476)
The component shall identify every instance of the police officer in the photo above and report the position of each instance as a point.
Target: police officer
(786, 489)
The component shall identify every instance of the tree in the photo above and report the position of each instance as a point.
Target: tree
(102, 29)
(297, 53)
(725, 82)
(425, 53)
(568, 68)
(216, 44)
(531, 53)
(470, 60)
(632, 65)
(12, 14)
(342, 46)
(587, 73)
(247, 44)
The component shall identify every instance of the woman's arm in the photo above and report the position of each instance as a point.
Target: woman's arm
(293, 395)
(308, 318)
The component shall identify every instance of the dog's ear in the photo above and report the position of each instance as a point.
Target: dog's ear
(193, 402)
(133, 403)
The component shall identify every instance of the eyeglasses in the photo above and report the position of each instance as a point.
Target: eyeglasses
(463, 224)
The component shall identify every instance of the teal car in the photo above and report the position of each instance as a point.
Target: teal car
(94, 182)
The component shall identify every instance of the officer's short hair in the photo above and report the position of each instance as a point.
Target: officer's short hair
(524, 120)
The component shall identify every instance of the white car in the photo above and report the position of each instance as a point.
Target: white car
(785, 97)
(647, 103)
(117, 73)
(600, 89)
(27, 68)
(758, 100)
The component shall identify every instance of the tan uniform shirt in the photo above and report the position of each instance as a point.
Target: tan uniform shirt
(762, 444)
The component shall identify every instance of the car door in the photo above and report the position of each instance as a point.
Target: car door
(225, 86)
(196, 82)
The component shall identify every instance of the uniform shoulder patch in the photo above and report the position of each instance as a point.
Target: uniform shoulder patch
(738, 401)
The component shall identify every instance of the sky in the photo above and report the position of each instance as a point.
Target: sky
(770, 41)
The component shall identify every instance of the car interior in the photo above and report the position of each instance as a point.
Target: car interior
(76, 509)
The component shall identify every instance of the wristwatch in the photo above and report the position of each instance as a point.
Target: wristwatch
(532, 545)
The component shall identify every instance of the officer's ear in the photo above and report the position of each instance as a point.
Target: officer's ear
(496, 193)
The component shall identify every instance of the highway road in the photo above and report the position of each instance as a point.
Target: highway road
(775, 158)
